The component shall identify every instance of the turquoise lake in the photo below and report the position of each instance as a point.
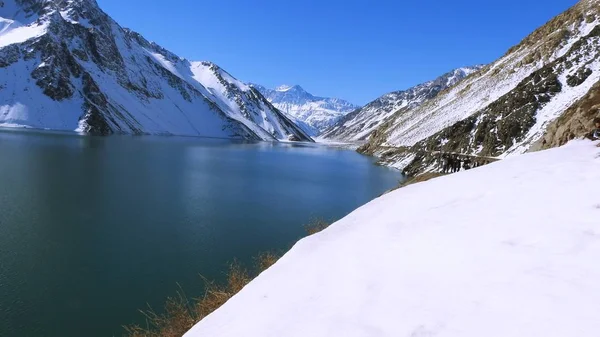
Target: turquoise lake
(94, 228)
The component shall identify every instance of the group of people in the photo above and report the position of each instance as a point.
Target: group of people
(453, 163)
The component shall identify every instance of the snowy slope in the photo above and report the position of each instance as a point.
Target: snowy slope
(508, 105)
(66, 65)
(361, 123)
(506, 250)
(314, 113)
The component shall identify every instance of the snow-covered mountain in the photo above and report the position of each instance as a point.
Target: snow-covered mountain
(314, 113)
(66, 65)
(359, 124)
(542, 91)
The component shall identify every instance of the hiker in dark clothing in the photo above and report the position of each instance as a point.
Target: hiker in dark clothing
(595, 133)
(456, 166)
(468, 164)
(451, 164)
(445, 164)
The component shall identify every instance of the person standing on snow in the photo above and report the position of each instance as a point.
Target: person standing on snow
(595, 134)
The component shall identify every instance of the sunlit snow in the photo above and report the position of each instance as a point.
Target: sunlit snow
(508, 249)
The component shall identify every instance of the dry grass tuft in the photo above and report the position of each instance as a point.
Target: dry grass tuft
(316, 226)
(180, 314)
(178, 317)
(215, 295)
(265, 260)
(421, 178)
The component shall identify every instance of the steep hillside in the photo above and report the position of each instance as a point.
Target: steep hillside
(361, 123)
(506, 107)
(575, 122)
(66, 65)
(314, 113)
(511, 250)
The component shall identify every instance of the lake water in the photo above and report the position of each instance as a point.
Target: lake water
(93, 228)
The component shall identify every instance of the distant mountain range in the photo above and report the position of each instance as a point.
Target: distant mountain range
(66, 65)
(314, 114)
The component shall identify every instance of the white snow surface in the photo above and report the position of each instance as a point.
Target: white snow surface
(508, 249)
(15, 26)
(284, 88)
(9, 34)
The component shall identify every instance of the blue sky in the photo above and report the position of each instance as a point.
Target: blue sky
(356, 50)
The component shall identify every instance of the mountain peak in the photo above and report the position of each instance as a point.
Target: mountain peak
(314, 114)
(46, 5)
(26, 12)
(286, 87)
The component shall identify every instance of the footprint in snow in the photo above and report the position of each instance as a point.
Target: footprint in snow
(423, 331)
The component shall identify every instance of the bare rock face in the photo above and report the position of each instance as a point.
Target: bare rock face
(576, 122)
(504, 122)
(74, 68)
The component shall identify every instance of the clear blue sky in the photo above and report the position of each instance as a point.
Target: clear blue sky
(356, 50)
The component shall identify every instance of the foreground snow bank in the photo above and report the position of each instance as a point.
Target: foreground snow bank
(509, 249)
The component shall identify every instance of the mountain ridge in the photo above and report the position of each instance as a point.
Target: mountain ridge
(361, 123)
